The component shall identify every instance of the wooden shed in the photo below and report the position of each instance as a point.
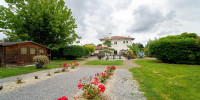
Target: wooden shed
(21, 53)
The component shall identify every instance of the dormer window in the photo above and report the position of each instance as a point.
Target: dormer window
(124, 42)
(115, 42)
(127, 42)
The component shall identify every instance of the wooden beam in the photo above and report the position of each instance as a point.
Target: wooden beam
(4, 57)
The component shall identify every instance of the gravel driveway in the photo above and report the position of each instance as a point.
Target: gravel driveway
(124, 87)
(53, 88)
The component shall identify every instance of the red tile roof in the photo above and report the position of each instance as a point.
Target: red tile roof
(98, 48)
(117, 37)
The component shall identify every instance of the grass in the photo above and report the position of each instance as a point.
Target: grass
(99, 62)
(13, 71)
(161, 81)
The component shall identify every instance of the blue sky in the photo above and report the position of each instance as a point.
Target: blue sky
(141, 19)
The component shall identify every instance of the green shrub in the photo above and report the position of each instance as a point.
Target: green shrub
(73, 52)
(55, 53)
(183, 51)
(87, 51)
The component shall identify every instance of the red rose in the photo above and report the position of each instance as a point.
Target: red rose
(89, 96)
(97, 74)
(65, 64)
(74, 61)
(84, 92)
(101, 88)
(17, 77)
(63, 98)
(80, 85)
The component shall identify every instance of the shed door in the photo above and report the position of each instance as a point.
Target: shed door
(27, 54)
(24, 55)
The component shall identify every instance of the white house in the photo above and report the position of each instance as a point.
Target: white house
(119, 43)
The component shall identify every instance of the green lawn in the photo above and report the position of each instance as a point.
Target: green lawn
(162, 81)
(8, 72)
(99, 62)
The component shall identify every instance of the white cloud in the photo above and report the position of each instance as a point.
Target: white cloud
(141, 19)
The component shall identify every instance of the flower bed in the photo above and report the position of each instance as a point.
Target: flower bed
(93, 88)
(65, 66)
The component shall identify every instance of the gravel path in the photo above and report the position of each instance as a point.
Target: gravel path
(124, 87)
(53, 88)
(121, 87)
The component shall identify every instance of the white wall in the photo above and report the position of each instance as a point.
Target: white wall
(120, 44)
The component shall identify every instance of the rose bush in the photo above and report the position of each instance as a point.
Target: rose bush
(93, 87)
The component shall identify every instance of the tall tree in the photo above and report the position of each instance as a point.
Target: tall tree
(48, 22)
(99, 45)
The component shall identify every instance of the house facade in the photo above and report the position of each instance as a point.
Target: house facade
(119, 43)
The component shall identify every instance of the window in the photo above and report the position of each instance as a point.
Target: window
(41, 50)
(32, 50)
(127, 42)
(23, 50)
(115, 42)
(124, 42)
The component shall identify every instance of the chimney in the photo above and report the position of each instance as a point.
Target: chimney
(110, 35)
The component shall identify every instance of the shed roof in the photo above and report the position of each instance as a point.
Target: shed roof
(13, 43)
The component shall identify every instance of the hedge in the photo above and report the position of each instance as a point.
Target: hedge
(73, 52)
(182, 51)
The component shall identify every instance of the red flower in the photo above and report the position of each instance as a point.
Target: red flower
(63, 98)
(74, 61)
(101, 88)
(80, 85)
(107, 76)
(95, 82)
(96, 78)
(84, 92)
(89, 96)
(97, 74)
(105, 70)
(65, 64)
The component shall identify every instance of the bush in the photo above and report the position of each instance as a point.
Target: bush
(73, 52)
(41, 59)
(181, 51)
(87, 51)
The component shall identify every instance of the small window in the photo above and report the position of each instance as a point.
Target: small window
(126, 41)
(115, 42)
(41, 50)
(23, 50)
(32, 50)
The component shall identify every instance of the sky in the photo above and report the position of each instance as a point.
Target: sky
(140, 19)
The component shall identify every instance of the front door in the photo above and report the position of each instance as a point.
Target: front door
(115, 52)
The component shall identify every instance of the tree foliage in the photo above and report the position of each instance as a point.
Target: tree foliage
(48, 22)
(107, 43)
(99, 45)
(90, 47)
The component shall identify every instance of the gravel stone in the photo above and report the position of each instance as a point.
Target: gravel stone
(124, 87)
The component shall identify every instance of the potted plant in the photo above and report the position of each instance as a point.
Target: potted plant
(41, 61)
(1, 87)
